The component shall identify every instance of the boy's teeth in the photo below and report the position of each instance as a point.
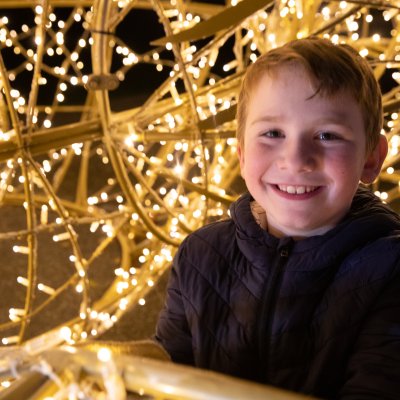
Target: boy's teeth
(296, 189)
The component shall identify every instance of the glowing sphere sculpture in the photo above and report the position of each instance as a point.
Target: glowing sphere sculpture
(108, 184)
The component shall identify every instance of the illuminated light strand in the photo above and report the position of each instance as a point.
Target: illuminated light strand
(179, 196)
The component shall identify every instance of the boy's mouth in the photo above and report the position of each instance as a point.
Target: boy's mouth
(297, 189)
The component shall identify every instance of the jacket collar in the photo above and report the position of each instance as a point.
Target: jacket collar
(367, 220)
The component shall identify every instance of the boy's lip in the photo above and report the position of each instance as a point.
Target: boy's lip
(299, 192)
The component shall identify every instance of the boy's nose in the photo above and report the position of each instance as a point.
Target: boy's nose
(298, 156)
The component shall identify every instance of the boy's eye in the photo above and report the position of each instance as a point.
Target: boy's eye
(327, 136)
(273, 133)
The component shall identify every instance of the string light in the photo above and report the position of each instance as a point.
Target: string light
(173, 160)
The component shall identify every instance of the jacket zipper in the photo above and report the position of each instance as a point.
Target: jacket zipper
(267, 311)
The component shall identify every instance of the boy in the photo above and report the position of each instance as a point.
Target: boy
(300, 288)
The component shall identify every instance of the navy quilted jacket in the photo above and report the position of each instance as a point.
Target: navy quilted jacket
(319, 316)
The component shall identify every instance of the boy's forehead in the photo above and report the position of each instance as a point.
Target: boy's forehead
(284, 74)
(275, 96)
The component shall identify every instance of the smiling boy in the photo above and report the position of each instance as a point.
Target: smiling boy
(300, 288)
(303, 152)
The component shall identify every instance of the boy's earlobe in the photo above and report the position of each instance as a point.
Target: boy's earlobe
(240, 156)
(374, 161)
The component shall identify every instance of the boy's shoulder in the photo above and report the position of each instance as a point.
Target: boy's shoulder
(385, 248)
(214, 241)
(214, 231)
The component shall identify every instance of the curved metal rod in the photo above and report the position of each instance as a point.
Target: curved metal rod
(100, 66)
(30, 212)
(189, 89)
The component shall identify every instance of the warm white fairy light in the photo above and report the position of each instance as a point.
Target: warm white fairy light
(92, 200)
(10, 340)
(183, 159)
(104, 355)
(45, 289)
(20, 249)
(16, 313)
(23, 281)
(108, 230)
(61, 236)
(66, 333)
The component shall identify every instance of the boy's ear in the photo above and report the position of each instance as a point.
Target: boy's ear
(374, 161)
(240, 154)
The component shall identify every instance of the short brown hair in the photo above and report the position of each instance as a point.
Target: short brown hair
(332, 68)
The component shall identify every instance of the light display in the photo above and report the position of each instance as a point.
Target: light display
(144, 176)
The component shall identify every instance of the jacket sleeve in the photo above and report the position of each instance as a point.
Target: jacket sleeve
(374, 366)
(172, 330)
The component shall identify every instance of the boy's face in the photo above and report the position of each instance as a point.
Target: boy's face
(303, 155)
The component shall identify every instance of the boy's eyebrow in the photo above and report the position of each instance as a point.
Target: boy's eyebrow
(267, 118)
(336, 117)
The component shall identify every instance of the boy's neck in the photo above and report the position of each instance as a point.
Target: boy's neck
(260, 217)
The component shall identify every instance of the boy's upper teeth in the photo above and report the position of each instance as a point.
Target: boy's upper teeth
(296, 189)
